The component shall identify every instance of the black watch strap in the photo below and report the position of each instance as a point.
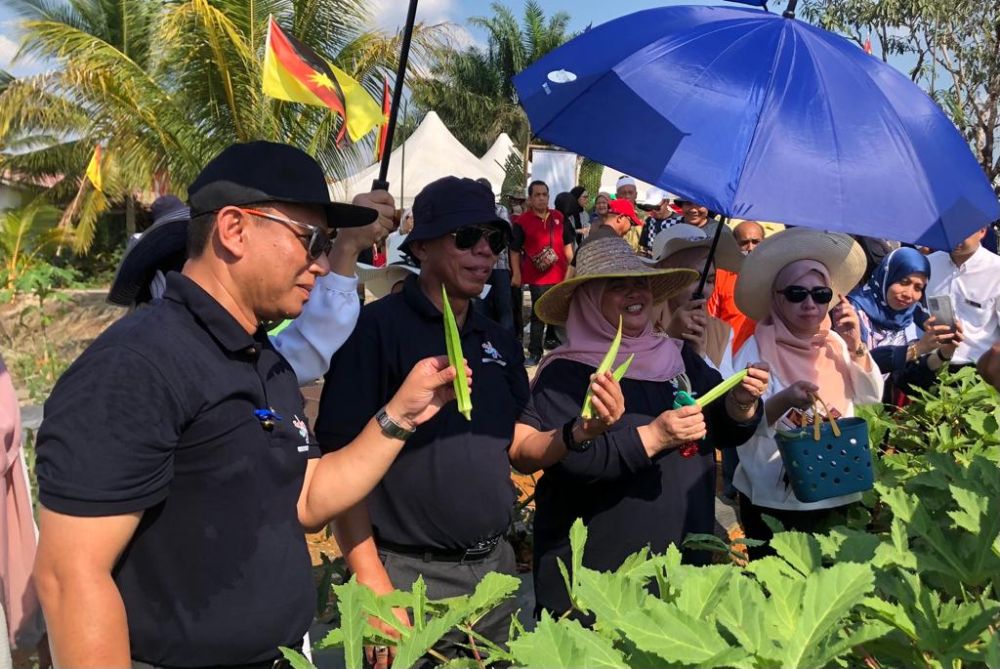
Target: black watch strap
(571, 444)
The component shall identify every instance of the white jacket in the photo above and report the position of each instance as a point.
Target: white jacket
(326, 321)
(760, 475)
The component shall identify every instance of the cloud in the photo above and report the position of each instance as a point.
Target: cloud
(8, 48)
(25, 66)
(390, 15)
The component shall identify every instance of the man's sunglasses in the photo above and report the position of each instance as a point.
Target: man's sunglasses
(796, 294)
(317, 243)
(468, 236)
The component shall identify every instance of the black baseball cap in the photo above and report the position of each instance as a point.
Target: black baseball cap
(448, 204)
(261, 171)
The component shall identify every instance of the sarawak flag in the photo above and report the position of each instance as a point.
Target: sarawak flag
(94, 169)
(383, 130)
(294, 72)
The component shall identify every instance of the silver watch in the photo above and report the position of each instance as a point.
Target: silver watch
(391, 428)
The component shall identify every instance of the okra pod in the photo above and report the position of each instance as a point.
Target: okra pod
(453, 342)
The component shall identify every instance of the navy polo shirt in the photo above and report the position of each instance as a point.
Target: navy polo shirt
(157, 415)
(450, 486)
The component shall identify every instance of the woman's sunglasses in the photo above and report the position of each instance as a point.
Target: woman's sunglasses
(317, 243)
(468, 236)
(796, 294)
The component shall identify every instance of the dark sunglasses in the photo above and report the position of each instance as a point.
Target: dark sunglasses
(317, 243)
(468, 236)
(796, 294)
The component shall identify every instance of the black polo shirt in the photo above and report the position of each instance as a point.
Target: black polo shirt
(450, 486)
(157, 415)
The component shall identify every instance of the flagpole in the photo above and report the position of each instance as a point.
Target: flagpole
(397, 95)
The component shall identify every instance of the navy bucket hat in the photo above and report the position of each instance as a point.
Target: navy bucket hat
(448, 204)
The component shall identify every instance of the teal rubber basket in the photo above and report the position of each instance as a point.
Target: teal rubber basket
(838, 462)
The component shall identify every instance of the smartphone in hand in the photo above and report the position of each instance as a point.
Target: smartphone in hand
(942, 309)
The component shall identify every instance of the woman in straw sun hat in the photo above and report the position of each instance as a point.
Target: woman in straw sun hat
(638, 483)
(788, 285)
(683, 317)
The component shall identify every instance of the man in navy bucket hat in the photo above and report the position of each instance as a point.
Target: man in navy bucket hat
(442, 512)
(450, 204)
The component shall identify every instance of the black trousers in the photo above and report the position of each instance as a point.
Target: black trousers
(501, 306)
(451, 579)
(536, 336)
(754, 527)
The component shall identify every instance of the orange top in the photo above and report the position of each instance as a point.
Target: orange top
(722, 305)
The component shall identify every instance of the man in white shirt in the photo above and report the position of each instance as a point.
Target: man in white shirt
(971, 276)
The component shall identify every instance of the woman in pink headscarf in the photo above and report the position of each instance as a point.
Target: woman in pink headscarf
(649, 479)
(20, 604)
(795, 286)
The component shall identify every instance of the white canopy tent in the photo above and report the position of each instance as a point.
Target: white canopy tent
(432, 152)
(495, 158)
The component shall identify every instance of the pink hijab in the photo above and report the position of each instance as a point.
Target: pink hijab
(17, 550)
(818, 359)
(589, 335)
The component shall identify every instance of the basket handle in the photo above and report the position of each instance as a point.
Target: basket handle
(818, 418)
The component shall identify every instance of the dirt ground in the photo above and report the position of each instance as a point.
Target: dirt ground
(72, 320)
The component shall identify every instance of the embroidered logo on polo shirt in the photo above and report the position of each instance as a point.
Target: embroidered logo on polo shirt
(303, 429)
(492, 355)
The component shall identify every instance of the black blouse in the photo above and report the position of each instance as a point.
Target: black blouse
(626, 499)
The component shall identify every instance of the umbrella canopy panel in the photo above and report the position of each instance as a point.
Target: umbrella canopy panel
(759, 116)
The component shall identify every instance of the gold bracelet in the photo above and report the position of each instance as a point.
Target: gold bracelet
(911, 353)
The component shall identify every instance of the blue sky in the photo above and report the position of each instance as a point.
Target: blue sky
(391, 13)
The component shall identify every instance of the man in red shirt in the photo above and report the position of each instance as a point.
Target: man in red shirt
(544, 254)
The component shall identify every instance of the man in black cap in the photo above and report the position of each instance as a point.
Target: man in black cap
(176, 471)
(442, 511)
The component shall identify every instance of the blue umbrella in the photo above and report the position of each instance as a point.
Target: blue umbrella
(758, 115)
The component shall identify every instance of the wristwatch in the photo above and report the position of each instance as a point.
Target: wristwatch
(391, 428)
(861, 351)
(572, 444)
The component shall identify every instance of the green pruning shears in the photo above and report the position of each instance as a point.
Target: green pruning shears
(683, 398)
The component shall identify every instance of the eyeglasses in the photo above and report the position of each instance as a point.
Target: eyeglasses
(468, 236)
(317, 243)
(796, 294)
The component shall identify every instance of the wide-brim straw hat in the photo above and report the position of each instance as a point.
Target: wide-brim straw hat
(380, 280)
(681, 236)
(609, 258)
(842, 256)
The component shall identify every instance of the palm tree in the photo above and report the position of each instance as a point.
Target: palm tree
(165, 85)
(27, 233)
(472, 90)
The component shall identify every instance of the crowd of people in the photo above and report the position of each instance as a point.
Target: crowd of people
(177, 470)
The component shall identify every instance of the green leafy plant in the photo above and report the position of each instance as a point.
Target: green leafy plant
(916, 582)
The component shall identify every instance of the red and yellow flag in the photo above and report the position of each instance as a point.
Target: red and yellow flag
(94, 169)
(868, 44)
(383, 130)
(296, 73)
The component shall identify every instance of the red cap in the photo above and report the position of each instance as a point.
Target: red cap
(625, 208)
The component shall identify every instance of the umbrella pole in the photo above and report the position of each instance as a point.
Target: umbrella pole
(708, 261)
(397, 95)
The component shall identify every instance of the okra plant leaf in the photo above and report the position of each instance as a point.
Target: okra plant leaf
(799, 550)
(351, 598)
(661, 628)
(830, 595)
(565, 644)
(296, 659)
